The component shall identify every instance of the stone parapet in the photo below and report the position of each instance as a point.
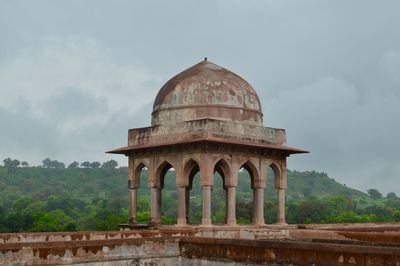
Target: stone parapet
(203, 128)
(229, 250)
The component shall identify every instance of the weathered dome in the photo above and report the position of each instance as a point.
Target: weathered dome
(206, 90)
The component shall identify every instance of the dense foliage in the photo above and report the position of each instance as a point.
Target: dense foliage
(94, 196)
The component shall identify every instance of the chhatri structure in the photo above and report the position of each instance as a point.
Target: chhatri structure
(205, 120)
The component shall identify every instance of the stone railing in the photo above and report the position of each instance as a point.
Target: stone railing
(369, 244)
(192, 130)
(196, 251)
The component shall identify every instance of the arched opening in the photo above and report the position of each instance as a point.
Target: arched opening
(143, 195)
(168, 195)
(193, 193)
(219, 194)
(270, 194)
(245, 193)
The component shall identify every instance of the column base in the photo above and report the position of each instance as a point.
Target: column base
(231, 221)
(281, 223)
(132, 221)
(206, 223)
(155, 222)
(181, 222)
(259, 222)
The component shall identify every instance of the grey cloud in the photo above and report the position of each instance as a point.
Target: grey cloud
(72, 102)
(30, 137)
(355, 141)
(324, 70)
(24, 136)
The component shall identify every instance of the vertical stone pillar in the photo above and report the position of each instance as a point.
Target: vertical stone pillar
(226, 205)
(187, 199)
(281, 206)
(159, 204)
(155, 217)
(206, 221)
(133, 207)
(231, 205)
(258, 204)
(181, 206)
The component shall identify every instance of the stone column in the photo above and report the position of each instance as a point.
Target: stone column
(281, 206)
(231, 205)
(226, 205)
(187, 199)
(258, 212)
(155, 217)
(181, 206)
(159, 204)
(206, 221)
(133, 208)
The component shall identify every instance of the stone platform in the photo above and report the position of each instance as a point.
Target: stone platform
(368, 244)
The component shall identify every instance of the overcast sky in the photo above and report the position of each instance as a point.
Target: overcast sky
(76, 75)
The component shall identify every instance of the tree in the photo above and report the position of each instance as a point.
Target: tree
(74, 164)
(345, 217)
(312, 211)
(307, 191)
(3, 214)
(339, 204)
(85, 164)
(391, 195)
(397, 215)
(9, 163)
(46, 163)
(380, 213)
(374, 193)
(244, 212)
(111, 164)
(57, 164)
(95, 165)
(53, 221)
(24, 164)
(108, 219)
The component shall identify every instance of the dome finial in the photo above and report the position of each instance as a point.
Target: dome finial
(205, 58)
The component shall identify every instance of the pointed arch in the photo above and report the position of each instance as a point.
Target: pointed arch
(223, 168)
(252, 170)
(246, 201)
(138, 171)
(161, 171)
(140, 201)
(167, 204)
(277, 173)
(273, 180)
(190, 169)
(219, 207)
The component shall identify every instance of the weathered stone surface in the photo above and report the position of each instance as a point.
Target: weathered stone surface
(206, 128)
(206, 120)
(148, 248)
(206, 90)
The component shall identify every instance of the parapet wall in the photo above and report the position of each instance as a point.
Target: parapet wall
(236, 232)
(164, 251)
(330, 245)
(206, 128)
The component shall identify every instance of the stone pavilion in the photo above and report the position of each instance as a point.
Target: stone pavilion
(207, 120)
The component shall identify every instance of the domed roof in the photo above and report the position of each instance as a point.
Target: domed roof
(206, 90)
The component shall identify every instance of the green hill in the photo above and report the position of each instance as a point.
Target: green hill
(313, 184)
(57, 199)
